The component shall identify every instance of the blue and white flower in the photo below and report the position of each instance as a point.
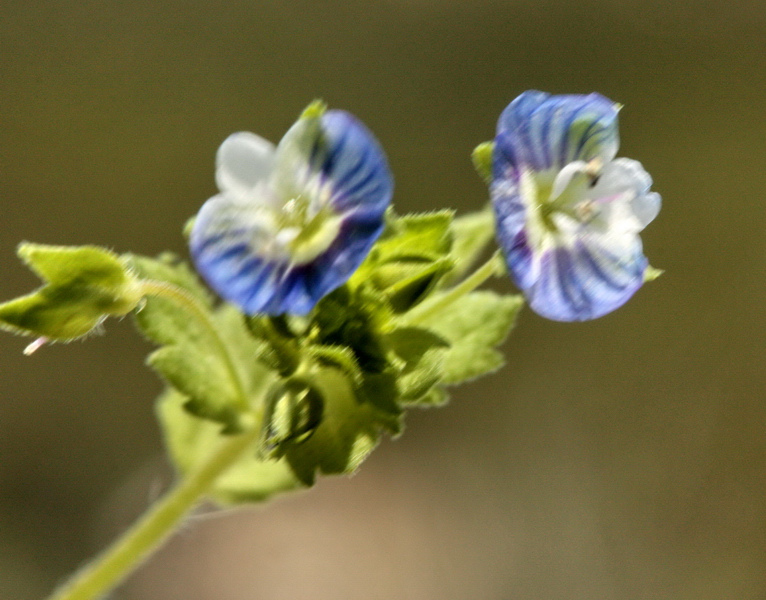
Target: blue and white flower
(292, 222)
(568, 213)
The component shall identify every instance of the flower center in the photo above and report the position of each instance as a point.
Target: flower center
(307, 227)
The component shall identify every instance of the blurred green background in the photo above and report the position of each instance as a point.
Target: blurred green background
(619, 459)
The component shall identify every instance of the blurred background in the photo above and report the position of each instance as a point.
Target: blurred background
(619, 459)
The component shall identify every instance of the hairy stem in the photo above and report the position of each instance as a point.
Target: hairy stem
(127, 553)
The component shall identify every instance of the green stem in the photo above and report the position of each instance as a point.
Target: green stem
(437, 303)
(127, 553)
(167, 290)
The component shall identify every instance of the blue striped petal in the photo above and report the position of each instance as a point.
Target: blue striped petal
(277, 242)
(568, 214)
(585, 281)
(542, 132)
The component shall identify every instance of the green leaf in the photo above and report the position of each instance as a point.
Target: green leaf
(470, 235)
(408, 242)
(411, 343)
(202, 379)
(67, 265)
(83, 286)
(473, 326)
(218, 373)
(161, 319)
(349, 431)
(191, 440)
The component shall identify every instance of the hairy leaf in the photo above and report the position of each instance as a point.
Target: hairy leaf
(473, 326)
(190, 441)
(83, 286)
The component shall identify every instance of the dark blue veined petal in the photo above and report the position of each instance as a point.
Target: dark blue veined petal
(585, 281)
(261, 254)
(538, 131)
(354, 164)
(511, 231)
(261, 284)
(335, 157)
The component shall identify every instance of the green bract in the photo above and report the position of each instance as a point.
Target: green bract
(83, 286)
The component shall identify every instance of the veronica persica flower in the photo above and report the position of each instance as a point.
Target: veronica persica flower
(568, 213)
(293, 222)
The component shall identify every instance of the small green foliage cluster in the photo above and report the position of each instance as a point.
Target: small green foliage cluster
(322, 389)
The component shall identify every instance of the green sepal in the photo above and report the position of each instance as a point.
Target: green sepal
(436, 397)
(651, 273)
(415, 383)
(482, 160)
(349, 431)
(411, 343)
(190, 441)
(83, 285)
(353, 319)
(422, 352)
(381, 391)
(474, 326)
(280, 349)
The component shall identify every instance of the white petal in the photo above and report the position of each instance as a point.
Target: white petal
(646, 207)
(624, 175)
(243, 160)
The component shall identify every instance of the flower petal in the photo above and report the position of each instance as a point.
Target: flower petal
(234, 248)
(512, 232)
(243, 160)
(333, 158)
(543, 132)
(230, 244)
(587, 280)
(356, 166)
(626, 175)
